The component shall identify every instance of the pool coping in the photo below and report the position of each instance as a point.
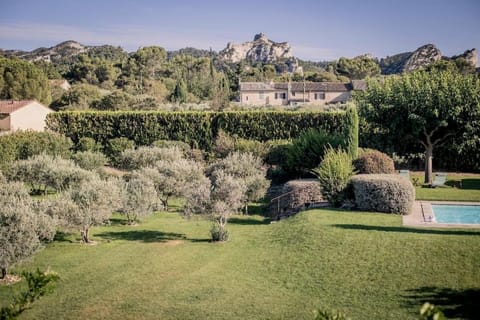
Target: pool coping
(422, 210)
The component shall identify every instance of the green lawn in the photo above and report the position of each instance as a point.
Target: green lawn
(463, 187)
(364, 264)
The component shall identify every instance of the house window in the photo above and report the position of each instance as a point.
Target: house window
(293, 94)
(283, 95)
(261, 95)
(320, 96)
(276, 96)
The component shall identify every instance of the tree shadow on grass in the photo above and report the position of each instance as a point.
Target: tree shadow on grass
(406, 229)
(248, 221)
(142, 235)
(61, 236)
(454, 303)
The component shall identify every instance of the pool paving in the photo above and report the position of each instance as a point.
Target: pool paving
(422, 215)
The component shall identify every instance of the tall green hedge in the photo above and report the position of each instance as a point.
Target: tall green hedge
(195, 128)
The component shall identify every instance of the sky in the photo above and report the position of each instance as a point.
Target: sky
(316, 29)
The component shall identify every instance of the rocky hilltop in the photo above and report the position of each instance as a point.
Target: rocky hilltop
(422, 57)
(61, 50)
(261, 49)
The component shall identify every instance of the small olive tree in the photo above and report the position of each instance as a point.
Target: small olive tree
(44, 171)
(218, 199)
(148, 156)
(21, 228)
(89, 204)
(249, 169)
(172, 178)
(138, 197)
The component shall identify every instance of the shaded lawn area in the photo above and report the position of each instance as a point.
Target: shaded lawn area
(462, 187)
(366, 265)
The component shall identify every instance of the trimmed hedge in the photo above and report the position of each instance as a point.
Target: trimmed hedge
(373, 162)
(198, 129)
(383, 193)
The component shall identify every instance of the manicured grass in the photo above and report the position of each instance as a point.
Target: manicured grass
(462, 187)
(364, 264)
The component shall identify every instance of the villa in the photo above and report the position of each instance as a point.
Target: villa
(291, 93)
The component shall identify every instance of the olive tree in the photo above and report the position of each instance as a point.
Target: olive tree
(217, 199)
(22, 228)
(247, 168)
(89, 204)
(425, 108)
(44, 171)
(138, 197)
(172, 178)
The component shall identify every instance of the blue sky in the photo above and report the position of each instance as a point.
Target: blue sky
(316, 29)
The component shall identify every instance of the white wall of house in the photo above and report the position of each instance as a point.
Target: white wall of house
(259, 98)
(30, 117)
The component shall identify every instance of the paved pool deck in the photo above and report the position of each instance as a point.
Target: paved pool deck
(422, 215)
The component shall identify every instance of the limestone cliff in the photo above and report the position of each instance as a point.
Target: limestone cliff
(409, 61)
(261, 49)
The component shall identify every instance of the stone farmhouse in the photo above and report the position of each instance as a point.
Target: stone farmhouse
(292, 93)
(22, 115)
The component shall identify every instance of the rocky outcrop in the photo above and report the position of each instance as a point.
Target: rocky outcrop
(409, 61)
(422, 57)
(261, 49)
(470, 56)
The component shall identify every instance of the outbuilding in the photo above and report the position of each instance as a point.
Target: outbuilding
(23, 115)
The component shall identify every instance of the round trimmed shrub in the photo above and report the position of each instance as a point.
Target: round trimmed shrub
(388, 193)
(374, 162)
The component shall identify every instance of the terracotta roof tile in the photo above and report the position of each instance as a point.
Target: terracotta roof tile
(9, 106)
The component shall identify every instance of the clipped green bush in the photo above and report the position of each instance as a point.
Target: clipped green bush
(334, 174)
(307, 151)
(116, 146)
(87, 144)
(388, 193)
(373, 162)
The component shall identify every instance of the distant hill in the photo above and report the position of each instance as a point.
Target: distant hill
(260, 50)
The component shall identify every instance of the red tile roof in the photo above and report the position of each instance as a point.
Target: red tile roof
(9, 106)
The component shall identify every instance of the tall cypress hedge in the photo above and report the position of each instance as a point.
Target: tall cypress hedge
(195, 128)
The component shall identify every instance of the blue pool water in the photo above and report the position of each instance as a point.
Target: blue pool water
(456, 214)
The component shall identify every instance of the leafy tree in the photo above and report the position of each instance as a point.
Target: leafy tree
(138, 197)
(89, 160)
(117, 100)
(358, 67)
(218, 199)
(21, 80)
(89, 204)
(247, 168)
(45, 171)
(148, 156)
(78, 97)
(425, 108)
(21, 228)
(173, 178)
(179, 94)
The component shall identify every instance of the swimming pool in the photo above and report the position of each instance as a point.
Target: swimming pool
(456, 214)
